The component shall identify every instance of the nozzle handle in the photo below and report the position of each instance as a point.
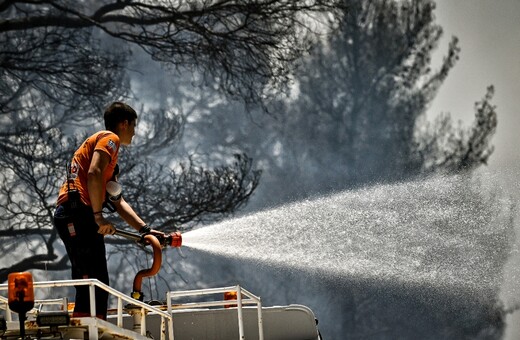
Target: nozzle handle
(128, 235)
(172, 240)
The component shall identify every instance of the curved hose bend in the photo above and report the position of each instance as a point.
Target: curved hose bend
(156, 265)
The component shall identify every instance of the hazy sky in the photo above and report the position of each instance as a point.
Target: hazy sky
(489, 36)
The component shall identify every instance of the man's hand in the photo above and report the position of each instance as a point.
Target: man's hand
(105, 227)
(157, 233)
(146, 230)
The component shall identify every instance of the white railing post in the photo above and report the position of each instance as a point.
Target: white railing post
(119, 312)
(92, 296)
(170, 312)
(240, 314)
(260, 321)
(92, 330)
(143, 322)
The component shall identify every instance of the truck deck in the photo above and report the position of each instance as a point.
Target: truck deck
(192, 314)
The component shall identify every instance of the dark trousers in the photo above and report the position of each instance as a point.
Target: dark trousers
(86, 249)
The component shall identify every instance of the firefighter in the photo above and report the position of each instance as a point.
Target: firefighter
(79, 216)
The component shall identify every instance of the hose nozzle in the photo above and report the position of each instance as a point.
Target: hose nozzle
(174, 240)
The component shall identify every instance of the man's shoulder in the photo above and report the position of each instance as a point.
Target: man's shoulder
(105, 134)
(106, 141)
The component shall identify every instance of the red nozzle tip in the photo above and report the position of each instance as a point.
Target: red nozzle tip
(176, 239)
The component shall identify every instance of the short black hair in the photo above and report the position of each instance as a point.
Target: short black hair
(116, 113)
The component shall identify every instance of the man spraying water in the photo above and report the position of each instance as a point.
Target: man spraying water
(79, 210)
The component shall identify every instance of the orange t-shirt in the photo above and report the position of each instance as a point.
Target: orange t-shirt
(104, 141)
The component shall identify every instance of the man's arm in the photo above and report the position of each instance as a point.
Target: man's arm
(95, 179)
(128, 214)
(99, 163)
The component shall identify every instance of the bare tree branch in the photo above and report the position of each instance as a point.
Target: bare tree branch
(243, 45)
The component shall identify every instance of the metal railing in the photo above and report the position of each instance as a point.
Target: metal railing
(243, 297)
(166, 318)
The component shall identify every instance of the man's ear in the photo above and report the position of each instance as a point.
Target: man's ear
(124, 124)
